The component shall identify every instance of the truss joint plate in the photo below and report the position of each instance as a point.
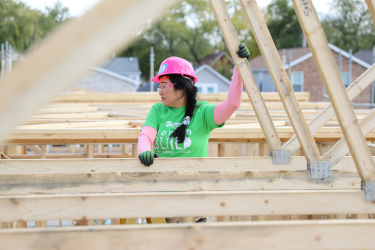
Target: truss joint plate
(321, 169)
(281, 157)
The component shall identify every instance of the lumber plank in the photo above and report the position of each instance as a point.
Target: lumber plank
(79, 44)
(340, 149)
(327, 113)
(280, 79)
(3, 156)
(131, 181)
(335, 88)
(371, 9)
(84, 165)
(124, 135)
(182, 204)
(338, 235)
(246, 74)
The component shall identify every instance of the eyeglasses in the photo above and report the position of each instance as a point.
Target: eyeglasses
(164, 88)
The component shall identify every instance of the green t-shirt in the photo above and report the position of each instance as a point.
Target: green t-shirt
(166, 119)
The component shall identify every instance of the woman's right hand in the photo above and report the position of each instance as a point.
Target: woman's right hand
(147, 158)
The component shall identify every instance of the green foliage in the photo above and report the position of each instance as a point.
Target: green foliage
(283, 24)
(183, 31)
(190, 31)
(17, 22)
(349, 25)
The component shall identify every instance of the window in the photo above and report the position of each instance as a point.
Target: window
(345, 78)
(297, 81)
(207, 87)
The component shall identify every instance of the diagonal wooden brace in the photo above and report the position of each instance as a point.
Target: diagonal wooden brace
(281, 80)
(247, 76)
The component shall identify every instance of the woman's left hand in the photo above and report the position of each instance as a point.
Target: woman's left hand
(243, 51)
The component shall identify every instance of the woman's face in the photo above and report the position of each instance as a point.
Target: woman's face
(169, 96)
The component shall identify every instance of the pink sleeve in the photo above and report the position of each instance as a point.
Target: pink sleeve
(224, 110)
(146, 139)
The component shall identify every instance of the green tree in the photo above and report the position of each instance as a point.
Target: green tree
(189, 30)
(349, 25)
(283, 24)
(184, 31)
(17, 22)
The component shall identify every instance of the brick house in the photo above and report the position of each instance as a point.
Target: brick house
(305, 76)
(219, 61)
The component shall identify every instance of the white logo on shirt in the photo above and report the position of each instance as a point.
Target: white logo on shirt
(174, 125)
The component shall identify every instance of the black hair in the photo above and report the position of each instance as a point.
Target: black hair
(186, 84)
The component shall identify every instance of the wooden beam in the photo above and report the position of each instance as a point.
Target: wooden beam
(68, 156)
(259, 163)
(124, 135)
(335, 235)
(43, 151)
(3, 156)
(325, 115)
(182, 204)
(371, 9)
(280, 79)
(35, 149)
(131, 181)
(78, 125)
(340, 149)
(335, 88)
(73, 48)
(247, 76)
(372, 148)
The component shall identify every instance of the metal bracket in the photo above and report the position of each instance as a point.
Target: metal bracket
(321, 169)
(369, 191)
(281, 157)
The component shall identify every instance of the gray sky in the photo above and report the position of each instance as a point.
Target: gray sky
(79, 7)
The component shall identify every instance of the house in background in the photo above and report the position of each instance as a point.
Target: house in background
(221, 62)
(209, 81)
(117, 75)
(125, 66)
(305, 76)
(367, 55)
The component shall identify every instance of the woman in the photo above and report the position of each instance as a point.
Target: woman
(180, 126)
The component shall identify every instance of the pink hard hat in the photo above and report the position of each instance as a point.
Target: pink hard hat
(175, 65)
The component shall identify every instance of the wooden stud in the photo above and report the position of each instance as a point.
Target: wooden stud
(280, 79)
(247, 76)
(43, 149)
(130, 221)
(340, 149)
(35, 149)
(125, 149)
(335, 88)
(90, 151)
(100, 148)
(327, 113)
(221, 149)
(115, 221)
(134, 150)
(371, 8)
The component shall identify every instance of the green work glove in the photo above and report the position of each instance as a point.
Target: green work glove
(243, 52)
(147, 158)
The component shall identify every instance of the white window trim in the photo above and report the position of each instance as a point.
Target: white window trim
(303, 79)
(205, 87)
